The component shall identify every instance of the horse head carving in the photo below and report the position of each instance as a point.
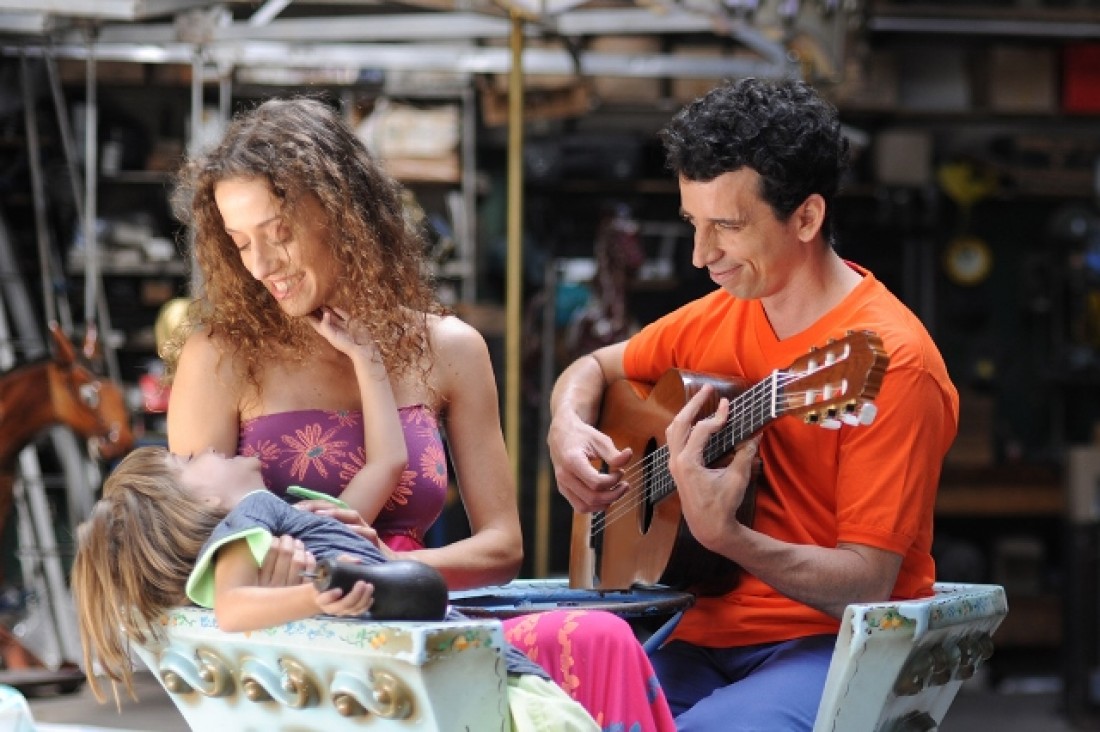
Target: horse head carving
(62, 390)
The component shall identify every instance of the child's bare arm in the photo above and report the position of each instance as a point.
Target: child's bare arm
(383, 438)
(241, 605)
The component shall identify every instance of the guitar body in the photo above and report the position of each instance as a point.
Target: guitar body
(648, 542)
(641, 538)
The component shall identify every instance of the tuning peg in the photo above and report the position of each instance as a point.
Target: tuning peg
(865, 416)
(830, 424)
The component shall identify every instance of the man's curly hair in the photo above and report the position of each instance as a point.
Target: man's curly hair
(302, 147)
(780, 128)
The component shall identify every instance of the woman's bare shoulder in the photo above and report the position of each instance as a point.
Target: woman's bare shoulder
(453, 340)
(205, 352)
(202, 345)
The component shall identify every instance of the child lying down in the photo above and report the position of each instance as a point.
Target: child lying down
(170, 529)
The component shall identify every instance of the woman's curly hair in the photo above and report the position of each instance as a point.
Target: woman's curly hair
(302, 147)
(780, 128)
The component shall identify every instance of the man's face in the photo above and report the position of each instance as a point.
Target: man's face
(747, 250)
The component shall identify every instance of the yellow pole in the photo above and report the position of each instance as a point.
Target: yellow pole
(514, 284)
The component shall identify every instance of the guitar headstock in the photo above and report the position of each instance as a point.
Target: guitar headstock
(835, 383)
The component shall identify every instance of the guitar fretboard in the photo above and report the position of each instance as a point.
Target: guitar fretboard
(750, 411)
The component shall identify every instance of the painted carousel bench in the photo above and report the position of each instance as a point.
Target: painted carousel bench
(333, 674)
(896, 667)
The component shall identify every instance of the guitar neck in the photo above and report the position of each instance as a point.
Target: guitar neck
(750, 411)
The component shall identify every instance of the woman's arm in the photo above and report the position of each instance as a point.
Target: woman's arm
(241, 605)
(463, 376)
(203, 407)
(386, 455)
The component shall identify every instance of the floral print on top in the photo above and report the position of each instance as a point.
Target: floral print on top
(322, 450)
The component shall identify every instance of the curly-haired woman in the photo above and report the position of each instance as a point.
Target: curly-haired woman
(315, 329)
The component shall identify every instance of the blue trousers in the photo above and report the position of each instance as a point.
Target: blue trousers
(772, 687)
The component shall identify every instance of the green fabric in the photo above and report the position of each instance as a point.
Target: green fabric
(538, 705)
(200, 585)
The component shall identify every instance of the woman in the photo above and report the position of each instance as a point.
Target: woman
(292, 217)
(290, 214)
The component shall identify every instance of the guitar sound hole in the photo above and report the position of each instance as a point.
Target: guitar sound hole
(650, 492)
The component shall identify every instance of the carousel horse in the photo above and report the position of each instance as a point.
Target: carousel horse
(59, 390)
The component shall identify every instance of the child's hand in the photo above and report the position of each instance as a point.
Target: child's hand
(345, 336)
(284, 563)
(355, 602)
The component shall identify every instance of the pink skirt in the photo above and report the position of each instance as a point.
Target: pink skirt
(595, 658)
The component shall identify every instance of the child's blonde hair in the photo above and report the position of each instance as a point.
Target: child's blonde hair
(133, 556)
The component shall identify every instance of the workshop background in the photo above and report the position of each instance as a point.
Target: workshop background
(974, 194)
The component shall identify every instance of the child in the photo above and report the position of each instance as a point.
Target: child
(169, 529)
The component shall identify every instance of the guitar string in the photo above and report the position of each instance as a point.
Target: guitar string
(746, 406)
(662, 486)
(642, 490)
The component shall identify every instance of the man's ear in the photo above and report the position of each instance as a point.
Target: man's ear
(809, 217)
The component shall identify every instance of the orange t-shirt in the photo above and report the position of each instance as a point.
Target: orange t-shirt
(873, 485)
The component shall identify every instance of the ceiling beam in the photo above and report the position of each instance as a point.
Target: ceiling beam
(464, 27)
(439, 26)
(25, 23)
(423, 57)
(104, 9)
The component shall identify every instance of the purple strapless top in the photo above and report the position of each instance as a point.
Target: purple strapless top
(322, 450)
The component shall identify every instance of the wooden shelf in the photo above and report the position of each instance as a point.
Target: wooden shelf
(1011, 491)
(988, 12)
(141, 177)
(143, 268)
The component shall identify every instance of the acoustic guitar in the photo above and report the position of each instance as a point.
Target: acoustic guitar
(641, 538)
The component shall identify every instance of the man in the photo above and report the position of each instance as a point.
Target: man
(841, 515)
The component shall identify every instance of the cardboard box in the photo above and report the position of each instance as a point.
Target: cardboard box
(626, 89)
(396, 130)
(1022, 79)
(73, 71)
(685, 89)
(870, 81)
(903, 157)
(538, 104)
(443, 169)
(934, 78)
